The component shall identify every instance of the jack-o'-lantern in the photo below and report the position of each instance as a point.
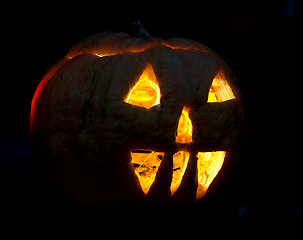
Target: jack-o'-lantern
(125, 120)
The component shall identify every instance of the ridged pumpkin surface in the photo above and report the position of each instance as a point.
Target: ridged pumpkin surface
(83, 130)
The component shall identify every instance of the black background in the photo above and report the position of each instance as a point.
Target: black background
(259, 40)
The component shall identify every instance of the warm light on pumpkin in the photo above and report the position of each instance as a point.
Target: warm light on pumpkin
(146, 93)
(185, 128)
(220, 90)
(146, 165)
(209, 164)
(102, 113)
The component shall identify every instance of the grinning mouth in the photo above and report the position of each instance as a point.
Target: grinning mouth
(146, 164)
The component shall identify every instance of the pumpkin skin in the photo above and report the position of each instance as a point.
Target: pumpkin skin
(83, 131)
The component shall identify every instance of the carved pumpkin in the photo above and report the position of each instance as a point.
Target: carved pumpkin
(126, 120)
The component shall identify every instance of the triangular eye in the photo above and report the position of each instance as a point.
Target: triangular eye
(220, 90)
(146, 92)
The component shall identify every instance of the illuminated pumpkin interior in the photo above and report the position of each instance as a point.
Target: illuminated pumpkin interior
(146, 93)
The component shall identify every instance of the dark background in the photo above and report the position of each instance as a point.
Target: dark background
(259, 40)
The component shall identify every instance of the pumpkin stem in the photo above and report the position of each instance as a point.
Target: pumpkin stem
(141, 31)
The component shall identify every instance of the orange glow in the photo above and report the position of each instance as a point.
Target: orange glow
(209, 165)
(184, 135)
(146, 93)
(185, 128)
(146, 166)
(180, 164)
(220, 90)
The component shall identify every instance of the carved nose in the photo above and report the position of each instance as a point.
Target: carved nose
(185, 127)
